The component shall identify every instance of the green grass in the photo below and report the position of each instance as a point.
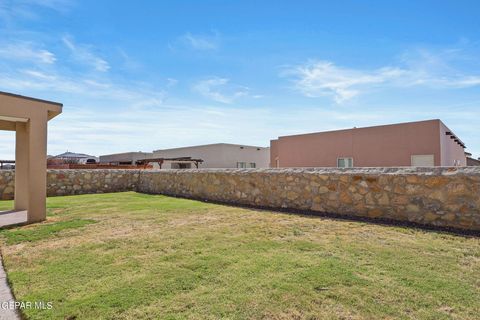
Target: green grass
(43, 231)
(155, 257)
(6, 205)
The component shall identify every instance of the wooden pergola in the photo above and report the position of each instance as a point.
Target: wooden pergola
(160, 161)
(29, 117)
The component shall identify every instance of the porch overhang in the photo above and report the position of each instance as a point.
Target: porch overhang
(29, 117)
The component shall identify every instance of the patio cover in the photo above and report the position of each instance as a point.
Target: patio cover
(28, 117)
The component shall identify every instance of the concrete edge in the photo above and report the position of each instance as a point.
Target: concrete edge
(6, 294)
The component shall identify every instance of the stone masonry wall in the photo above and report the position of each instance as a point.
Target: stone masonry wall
(7, 184)
(446, 197)
(71, 182)
(81, 181)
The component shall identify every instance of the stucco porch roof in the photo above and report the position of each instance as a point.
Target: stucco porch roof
(23, 108)
(28, 117)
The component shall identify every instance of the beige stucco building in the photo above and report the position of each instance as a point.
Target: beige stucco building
(125, 158)
(218, 155)
(421, 143)
(28, 117)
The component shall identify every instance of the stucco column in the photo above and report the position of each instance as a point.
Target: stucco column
(21, 166)
(37, 165)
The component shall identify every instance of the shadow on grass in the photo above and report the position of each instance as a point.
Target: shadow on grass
(42, 231)
(346, 217)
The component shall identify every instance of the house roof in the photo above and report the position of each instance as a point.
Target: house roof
(30, 98)
(212, 144)
(358, 128)
(18, 108)
(73, 155)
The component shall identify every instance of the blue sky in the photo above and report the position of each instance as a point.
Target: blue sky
(145, 75)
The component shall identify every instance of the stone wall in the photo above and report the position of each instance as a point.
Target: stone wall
(71, 182)
(7, 184)
(445, 197)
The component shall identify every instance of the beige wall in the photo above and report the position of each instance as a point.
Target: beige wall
(380, 146)
(220, 155)
(125, 157)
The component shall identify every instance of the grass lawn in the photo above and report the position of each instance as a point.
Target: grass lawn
(136, 256)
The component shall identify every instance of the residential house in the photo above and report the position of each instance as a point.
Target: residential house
(421, 143)
(218, 155)
(72, 157)
(125, 158)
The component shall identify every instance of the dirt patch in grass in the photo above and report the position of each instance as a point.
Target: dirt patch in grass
(155, 257)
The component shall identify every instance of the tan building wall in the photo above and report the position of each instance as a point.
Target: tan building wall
(219, 155)
(380, 146)
(125, 158)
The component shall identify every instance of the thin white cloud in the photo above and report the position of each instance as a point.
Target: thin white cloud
(171, 82)
(466, 82)
(111, 92)
(96, 84)
(38, 74)
(84, 54)
(26, 51)
(57, 5)
(129, 63)
(200, 42)
(220, 90)
(12, 10)
(324, 78)
(33, 71)
(438, 69)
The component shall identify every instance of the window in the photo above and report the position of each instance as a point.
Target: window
(423, 160)
(180, 165)
(246, 165)
(241, 164)
(345, 162)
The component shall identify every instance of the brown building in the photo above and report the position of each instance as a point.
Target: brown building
(473, 162)
(422, 143)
